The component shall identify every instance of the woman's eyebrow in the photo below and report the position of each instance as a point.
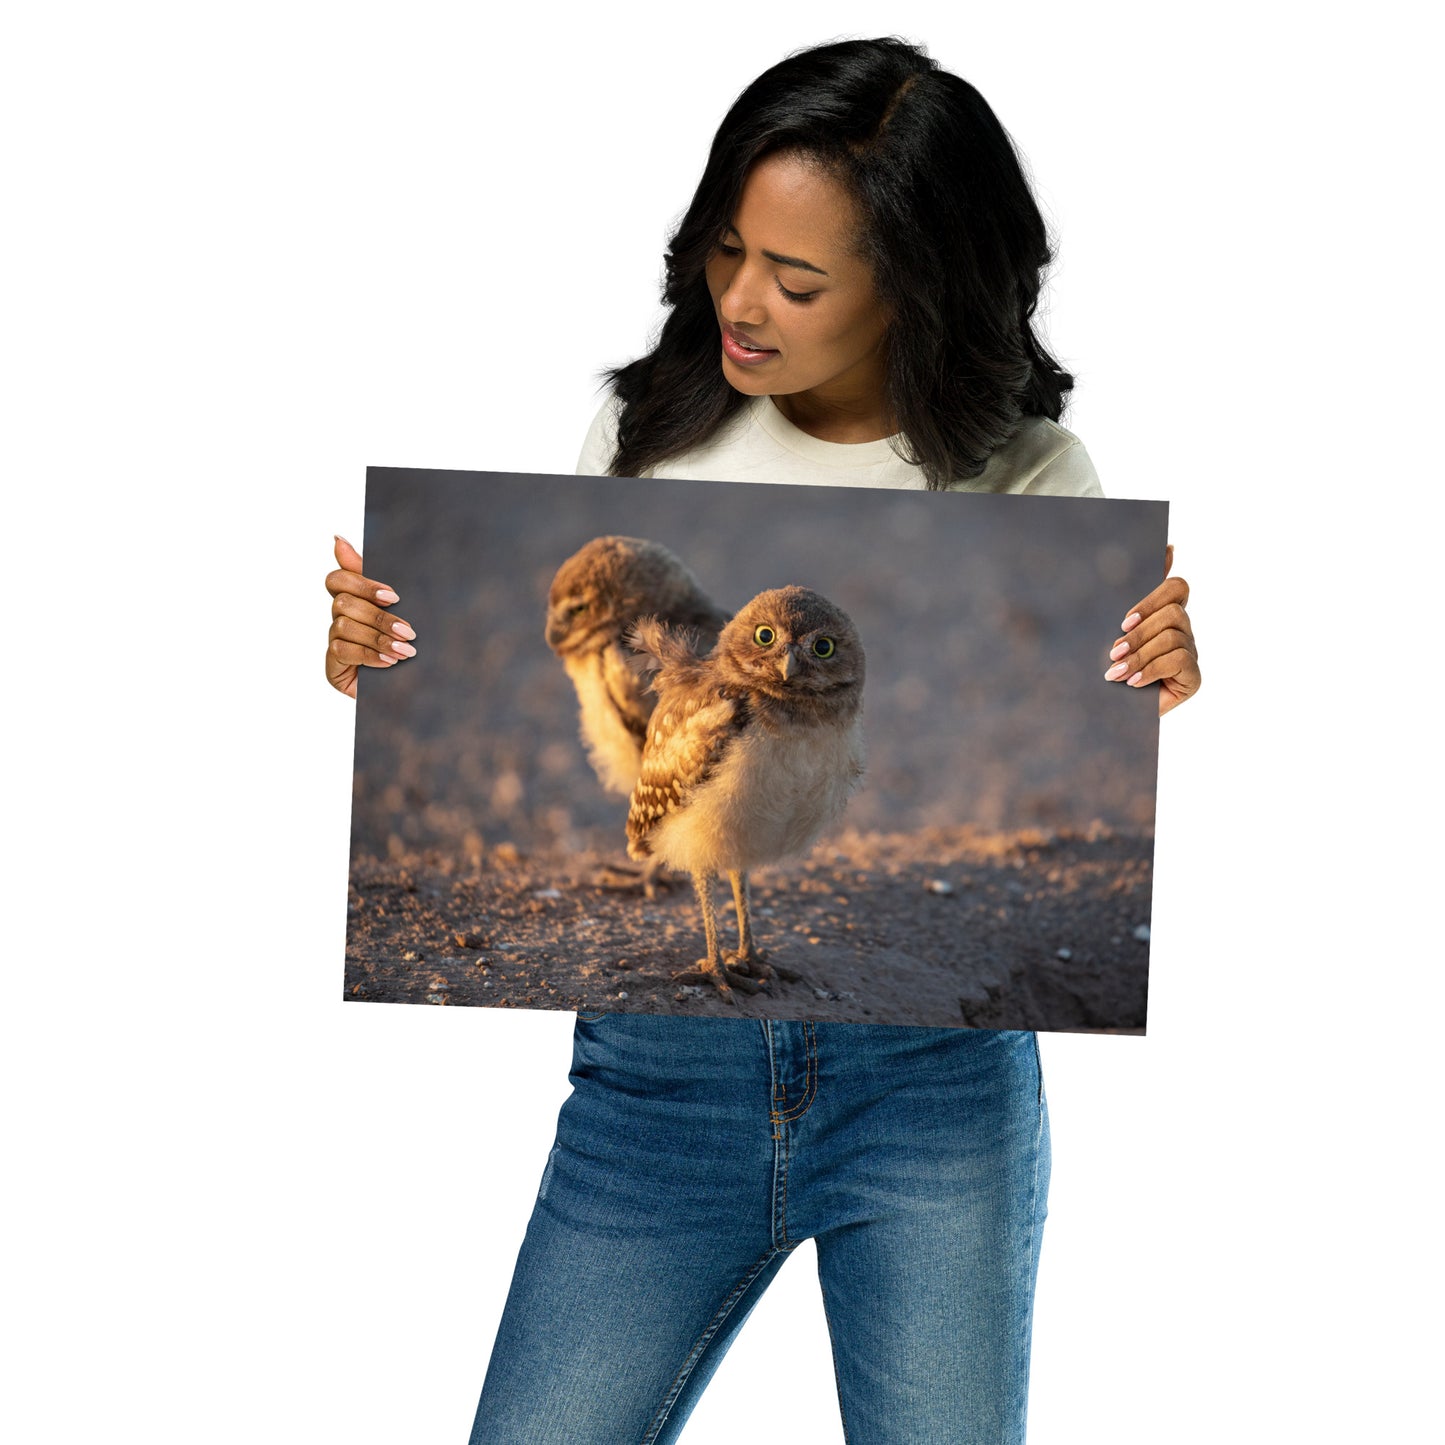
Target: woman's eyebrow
(795, 261)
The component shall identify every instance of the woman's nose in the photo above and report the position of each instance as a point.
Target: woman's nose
(742, 300)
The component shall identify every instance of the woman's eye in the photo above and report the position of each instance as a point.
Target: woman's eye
(795, 295)
(824, 647)
(723, 249)
(764, 635)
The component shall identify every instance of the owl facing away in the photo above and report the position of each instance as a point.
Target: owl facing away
(596, 596)
(751, 752)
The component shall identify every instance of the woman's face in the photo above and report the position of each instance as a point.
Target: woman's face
(795, 304)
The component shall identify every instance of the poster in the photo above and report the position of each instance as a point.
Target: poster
(990, 867)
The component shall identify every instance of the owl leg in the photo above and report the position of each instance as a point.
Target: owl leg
(748, 959)
(711, 969)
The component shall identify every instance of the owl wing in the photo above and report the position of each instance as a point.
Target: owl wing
(687, 739)
(627, 691)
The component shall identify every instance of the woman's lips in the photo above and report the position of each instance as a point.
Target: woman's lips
(741, 348)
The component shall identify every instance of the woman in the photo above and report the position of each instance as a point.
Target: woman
(850, 299)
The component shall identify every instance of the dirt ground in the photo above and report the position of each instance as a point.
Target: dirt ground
(949, 927)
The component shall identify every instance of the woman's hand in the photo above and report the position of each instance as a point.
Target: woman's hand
(1158, 643)
(363, 633)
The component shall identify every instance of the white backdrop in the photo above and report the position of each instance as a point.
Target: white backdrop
(253, 249)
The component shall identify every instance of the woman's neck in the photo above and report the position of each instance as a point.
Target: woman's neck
(838, 419)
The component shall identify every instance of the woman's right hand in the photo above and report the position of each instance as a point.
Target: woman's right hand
(363, 633)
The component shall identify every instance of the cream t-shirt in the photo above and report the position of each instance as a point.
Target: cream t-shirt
(759, 444)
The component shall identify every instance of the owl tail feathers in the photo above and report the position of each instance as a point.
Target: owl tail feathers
(660, 648)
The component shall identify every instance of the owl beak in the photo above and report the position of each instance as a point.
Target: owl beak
(556, 630)
(788, 663)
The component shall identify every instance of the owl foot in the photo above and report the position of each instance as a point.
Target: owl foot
(648, 880)
(744, 982)
(753, 964)
(723, 979)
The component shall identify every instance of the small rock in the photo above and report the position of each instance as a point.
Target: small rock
(822, 993)
(939, 886)
(469, 940)
(410, 957)
(486, 983)
(546, 893)
(622, 993)
(1065, 953)
(436, 998)
(1141, 933)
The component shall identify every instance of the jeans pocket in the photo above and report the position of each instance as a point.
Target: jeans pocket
(590, 1017)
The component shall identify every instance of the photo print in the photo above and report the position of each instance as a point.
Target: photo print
(738, 749)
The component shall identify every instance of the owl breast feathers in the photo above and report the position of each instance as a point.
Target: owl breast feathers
(753, 750)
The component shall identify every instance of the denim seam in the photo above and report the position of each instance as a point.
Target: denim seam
(782, 1158)
(1023, 1342)
(833, 1351)
(703, 1340)
(810, 1079)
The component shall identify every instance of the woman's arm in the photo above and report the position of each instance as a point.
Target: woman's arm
(363, 633)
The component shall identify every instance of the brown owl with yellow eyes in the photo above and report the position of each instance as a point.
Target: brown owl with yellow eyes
(751, 752)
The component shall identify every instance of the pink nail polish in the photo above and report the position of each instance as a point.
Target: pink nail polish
(402, 630)
(386, 597)
(1121, 649)
(1132, 620)
(403, 649)
(1134, 681)
(387, 660)
(1116, 672)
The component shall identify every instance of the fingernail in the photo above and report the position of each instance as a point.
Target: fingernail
(404, 649)
(1132, 620)
(1116, 672)
(1121, 649)
(1134, 681)
(337, 537)
(386, 596)
(387, 660)
(402, 630)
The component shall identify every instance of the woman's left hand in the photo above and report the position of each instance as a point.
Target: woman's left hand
(1158, 643)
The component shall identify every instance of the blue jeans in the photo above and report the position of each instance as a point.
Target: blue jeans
(694, 1155)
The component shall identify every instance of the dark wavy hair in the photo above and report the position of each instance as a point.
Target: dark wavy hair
(949, 226)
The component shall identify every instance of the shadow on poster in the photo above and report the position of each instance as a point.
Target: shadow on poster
(991, 867)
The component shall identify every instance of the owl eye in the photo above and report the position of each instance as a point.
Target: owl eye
(824, 647)
(577, 608)
(764, 635)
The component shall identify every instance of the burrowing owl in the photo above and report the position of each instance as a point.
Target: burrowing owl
(597, 594)
(751, 752)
